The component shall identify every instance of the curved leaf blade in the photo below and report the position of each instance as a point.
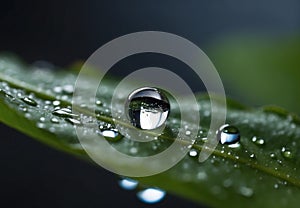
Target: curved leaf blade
(254, 174)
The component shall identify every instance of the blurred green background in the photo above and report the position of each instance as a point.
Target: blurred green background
(259, 69)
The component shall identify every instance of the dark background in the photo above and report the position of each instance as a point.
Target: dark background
(61, 32)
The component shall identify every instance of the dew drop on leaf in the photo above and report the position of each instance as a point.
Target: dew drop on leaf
(57, 89)
(228, 134)
(147, 108)
(246, 191)
(56, 102)
(73, 121)
(98, 102)
(188, 133)
(68, 89)
(54, 120)
(258, 141)
(110, 134)
(29, 101)
(151, 195)
(64, 112)
(193, 153)
(286, 153)
(273, 156)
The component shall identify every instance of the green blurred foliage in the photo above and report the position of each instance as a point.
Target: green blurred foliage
(259, 70)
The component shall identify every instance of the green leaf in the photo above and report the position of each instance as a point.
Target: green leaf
(263, 171)
(260, 70)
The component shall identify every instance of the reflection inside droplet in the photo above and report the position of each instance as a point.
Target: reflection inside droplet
(228, 134)
(147, 108)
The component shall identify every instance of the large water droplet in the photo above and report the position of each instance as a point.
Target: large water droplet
(29, 101)
(228, 134)
(151, 195)
(128, 184)
(147, 108)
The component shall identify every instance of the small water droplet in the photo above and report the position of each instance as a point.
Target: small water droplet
(133, 150)
(40, 125)
(188, 133)
(227, 183)
(245, 191)
(27, 115)
(228, 134)
(98, 102)
(276, 186)
(64, 112)
(193, 153)
(69, 89)
(56, 102)
(24, 109)
(57, 89)
(42, 119)
(286, 153)
(147, 108)
(273, 156)
(110, 134)
(54, 120)
(258, 141)
(128, 184)
(151, 195)
(201, 175)
(252, 156)
(29, 101)
(73, 121)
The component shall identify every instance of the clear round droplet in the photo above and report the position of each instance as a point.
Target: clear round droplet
(228, 134)
(147, 108)
(128, 184)
(151, 195)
